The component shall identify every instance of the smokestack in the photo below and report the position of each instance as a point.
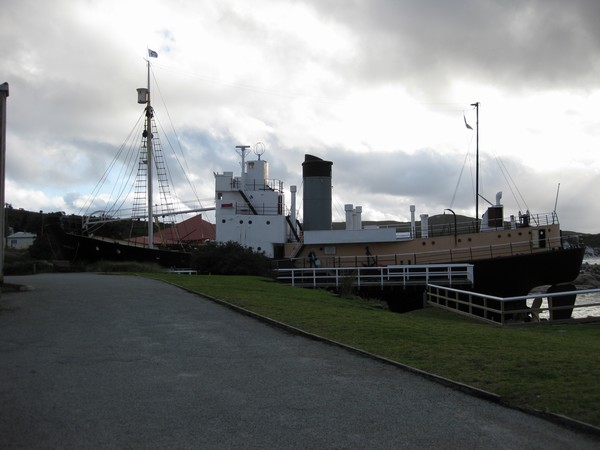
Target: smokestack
(316, 200)
(293, 190)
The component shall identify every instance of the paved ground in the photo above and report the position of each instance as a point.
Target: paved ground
(97, 361)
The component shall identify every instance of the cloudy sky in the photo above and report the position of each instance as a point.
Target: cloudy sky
(380, 87)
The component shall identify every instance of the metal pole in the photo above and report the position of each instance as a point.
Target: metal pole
(150, 162)
(3, 96)
(476, 105)
(455, 230)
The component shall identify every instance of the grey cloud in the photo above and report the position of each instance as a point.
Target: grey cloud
(515, 43)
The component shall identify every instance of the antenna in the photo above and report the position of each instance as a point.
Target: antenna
(242, 150)
(259, 149)
(556, 201)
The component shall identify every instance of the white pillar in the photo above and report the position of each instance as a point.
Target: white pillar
(413, 226)
(358, 218)
(349, 208)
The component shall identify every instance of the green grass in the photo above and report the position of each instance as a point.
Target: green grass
(552, 368)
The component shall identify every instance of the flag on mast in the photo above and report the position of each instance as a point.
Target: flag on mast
(468, 126)
(152, 54)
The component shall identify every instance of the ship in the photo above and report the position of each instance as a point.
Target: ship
(510, 255)
(154, 236)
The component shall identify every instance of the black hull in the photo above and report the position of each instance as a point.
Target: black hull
(85, 249)
(509, 276)
(519, 274)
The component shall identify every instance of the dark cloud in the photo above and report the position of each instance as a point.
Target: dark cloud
(517, 44)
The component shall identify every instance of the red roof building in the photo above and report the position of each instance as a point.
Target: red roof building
(193, 231)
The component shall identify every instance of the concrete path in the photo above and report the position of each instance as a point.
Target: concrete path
(101, 361)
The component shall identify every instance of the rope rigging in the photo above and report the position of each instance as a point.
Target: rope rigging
(127, 173)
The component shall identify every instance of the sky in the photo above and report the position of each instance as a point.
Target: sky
(382, 88)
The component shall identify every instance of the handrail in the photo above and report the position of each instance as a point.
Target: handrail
(468, 226)
(493, 309)
(412, 274)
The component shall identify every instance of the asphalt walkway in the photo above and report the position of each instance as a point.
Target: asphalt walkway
(102, 361)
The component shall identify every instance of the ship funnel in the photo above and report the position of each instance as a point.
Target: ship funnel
(316, 201)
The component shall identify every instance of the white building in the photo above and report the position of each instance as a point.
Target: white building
(20, 240)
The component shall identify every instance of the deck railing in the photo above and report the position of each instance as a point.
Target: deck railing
(454, 255)
(450, 227)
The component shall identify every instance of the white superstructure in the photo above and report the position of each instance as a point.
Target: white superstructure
(250, 209)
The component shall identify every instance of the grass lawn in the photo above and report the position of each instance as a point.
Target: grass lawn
(553, 368)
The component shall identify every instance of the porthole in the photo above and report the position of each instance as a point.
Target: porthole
(460, 240)
(223, 221)
(424, 243)
(241, 221)
(432, 242)
(268, 222)
(250, 222)
(499, 236)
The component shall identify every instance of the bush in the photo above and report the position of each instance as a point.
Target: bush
(41, 248)
(229, 258)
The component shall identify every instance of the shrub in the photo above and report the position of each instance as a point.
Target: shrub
(229, 258)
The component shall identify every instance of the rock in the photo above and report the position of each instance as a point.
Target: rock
(589, 277)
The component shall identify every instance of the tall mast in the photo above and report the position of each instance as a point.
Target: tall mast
(476, 105)
(150, 162)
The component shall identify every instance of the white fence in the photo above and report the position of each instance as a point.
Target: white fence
(394, 275)
(505, 310)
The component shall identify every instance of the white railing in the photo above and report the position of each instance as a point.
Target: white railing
(393, 275)
(504, 310)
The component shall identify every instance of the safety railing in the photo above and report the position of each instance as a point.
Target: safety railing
(454, 255)
(518, 309)
(393, 275)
